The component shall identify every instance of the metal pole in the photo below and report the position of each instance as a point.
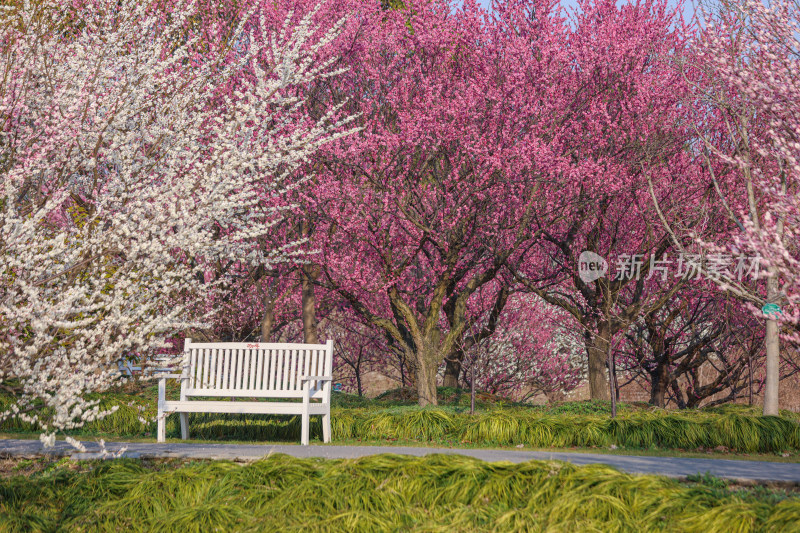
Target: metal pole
(472, 389)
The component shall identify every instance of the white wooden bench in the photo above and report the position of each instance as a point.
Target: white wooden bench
(231, 370)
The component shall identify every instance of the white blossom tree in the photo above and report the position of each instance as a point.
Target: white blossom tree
(134, 150)
(749, 71)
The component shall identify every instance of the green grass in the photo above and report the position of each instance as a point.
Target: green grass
(496, 424)
(379, 493)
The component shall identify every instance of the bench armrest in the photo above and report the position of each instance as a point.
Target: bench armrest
(316, 378)
(170, 376)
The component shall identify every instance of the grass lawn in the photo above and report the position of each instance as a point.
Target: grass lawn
(378, 493)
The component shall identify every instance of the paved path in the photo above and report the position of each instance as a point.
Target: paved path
(761, 471)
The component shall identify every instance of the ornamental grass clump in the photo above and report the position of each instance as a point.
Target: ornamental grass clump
(735, 429)
(495, 427)
(378, 493)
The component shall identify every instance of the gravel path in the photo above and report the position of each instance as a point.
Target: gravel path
(750, 471)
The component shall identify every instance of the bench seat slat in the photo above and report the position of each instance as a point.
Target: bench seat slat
(237, 371)
(284, 377)
(237, 379)
(212, 361)
(292, 386)
(313, 369)
(251, 372)
(221, 356)
(273, 361)
(193, 369)
(306, 364)
(237, 393)
(245, 369)
(280, 380)
(259, 370)
(266, 408)
(201, 372)
(273, 368)
(269, 368)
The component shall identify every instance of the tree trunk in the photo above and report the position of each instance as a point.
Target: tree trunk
(612, 392)
(750, 380)
(410, 364)
(597, 350)
(659, 381)
(773, 356)
(676, 391)
(427, 365)
(452, 369)
(426, 384)
(613, 377)
(309, 274)
(268, 322)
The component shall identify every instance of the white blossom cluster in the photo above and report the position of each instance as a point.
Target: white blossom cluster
(128, 161)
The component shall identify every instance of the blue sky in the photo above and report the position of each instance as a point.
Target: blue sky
(688, 8)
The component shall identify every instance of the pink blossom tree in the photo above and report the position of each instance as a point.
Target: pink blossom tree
(622, 119)
(536, 349)
(425, 206)
(699, 344)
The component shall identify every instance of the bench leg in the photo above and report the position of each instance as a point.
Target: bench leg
(184, 426)
(161, 433)
(304, 422)
(162, 430)
(326, 427)
(305, 416)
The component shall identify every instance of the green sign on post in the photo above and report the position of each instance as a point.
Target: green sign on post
(771, 309)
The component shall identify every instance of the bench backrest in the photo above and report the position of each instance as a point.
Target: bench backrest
(258, 369)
